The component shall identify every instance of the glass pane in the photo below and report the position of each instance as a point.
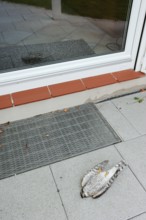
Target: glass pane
(42, 32)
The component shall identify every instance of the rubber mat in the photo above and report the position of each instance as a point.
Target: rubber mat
(20, 57)
(45, 139)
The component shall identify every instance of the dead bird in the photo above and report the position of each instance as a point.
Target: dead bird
(98, 180)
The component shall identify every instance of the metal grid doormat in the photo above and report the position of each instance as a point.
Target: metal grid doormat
(45, 139)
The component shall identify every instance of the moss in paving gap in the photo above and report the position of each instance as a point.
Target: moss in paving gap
(105, 9)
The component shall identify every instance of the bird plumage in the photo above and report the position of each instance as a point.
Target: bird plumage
(98, 180)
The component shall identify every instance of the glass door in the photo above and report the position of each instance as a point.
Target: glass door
(50, 41)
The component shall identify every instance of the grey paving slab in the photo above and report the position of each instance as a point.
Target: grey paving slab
(92, 45)
(108, 39)
(134, 111)
(101, 49)
(6, 27)
(31, 196)
(107, 45)
(38, 38)
(90, 25)
(34, 17)
(88, 36)
(9, 19)
(67, 26)
(96, 32)
(46, 38)
(35, 39)
(28, 26)
(2, 10)
(134, 151)
(121, 125)
(3, 13)
(139, 217)
(14, 37)
(52, 31)
(125, 199)
(19, 11)
(46, 22)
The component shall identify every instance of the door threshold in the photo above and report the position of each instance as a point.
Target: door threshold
(69, 100)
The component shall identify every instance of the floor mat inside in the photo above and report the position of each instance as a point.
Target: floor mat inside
(27, 56)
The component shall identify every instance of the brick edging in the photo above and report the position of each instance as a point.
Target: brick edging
(51, 91)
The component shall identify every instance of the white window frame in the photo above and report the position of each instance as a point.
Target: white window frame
(141, 59)
(62, 72)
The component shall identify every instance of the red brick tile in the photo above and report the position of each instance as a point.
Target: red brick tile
(5, 101)
(31, 95)
(97, 81)
(127, 75)
(66, 88)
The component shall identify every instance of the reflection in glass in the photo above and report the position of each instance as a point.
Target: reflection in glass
(42, 32)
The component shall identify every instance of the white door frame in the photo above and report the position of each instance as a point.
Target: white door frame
(141, 58)
(61, 72)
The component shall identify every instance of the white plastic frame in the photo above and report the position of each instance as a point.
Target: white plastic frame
(141, 59)
(61, 72)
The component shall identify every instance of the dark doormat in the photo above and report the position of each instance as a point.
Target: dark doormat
(20, 57)
(48, 138)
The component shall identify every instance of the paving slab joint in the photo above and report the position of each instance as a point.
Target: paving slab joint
(59, 193)
(136, 216)
(130, 169)
(126, 119)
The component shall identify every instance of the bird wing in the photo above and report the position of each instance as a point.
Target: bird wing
(99, 193)
(110, 177)
(99, 167)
